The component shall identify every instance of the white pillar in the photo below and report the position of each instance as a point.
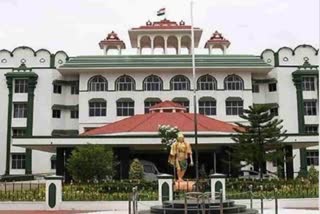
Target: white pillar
(224, 50)
(210, 49)
(165, 44)
(179, 45)
(119, 49)
(138, 46)
(53, 192)
(165, 187)
(218, 181)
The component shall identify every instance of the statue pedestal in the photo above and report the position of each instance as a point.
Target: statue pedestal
(187, 186)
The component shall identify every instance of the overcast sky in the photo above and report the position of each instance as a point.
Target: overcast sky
(77, 26)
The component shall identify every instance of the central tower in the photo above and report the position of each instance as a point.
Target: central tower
(164, 34)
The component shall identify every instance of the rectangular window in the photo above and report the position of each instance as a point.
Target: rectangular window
(311, 129)
(308, 84)
(74, 114)
(234, 107)
(272, 87)
(207, 107)
(310, 107)
(74, 89)
(125, 108)
(21, 86)
(56, 113)
(97, 109)
(18, 161)
(274, 111)
(313, 158)
(57, 89)
(255, 88)
(20, 110)
(18, 132)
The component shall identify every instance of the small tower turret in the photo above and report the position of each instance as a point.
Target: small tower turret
(112, 42)
(217, 41)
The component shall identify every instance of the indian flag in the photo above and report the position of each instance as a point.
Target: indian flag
(161, 12)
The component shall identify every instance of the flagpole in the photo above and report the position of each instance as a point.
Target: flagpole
(194, 98)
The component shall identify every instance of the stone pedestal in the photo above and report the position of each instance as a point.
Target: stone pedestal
(165, 184)
(53, 192)
(218, 183)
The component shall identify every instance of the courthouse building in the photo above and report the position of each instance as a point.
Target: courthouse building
(52, 102)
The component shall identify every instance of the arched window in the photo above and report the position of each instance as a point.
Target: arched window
(180, 82)
(182, 101)
(125, 107)
(150, 102)
(97, 107)
(233, 82)
(97, 83)
(152, 83)
(125, 83)
(207, 106)
(207, 82)
(234, 106)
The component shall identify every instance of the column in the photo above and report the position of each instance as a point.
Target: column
(67, 175)
(297, 79)
(218, 183)
(210, 49)
(60, 161)
(123, 155)
(138, 46)
(289, 161)
(32, 81)
(165, 44)
(179, 45)
(9, 121)
(53, 192)
(165, 187)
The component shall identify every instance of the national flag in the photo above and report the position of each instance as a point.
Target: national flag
(161, 12)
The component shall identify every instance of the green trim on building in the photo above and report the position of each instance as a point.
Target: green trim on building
(149, 136)
(9, 121)
(65, 107)
(165, 61)
(66, 82)
(60, 132)
(21, 72)
(305, 70)
(264, 81)
(35, 53)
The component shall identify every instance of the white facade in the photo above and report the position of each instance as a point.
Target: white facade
(46, 66)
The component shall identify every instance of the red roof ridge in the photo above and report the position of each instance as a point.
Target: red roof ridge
(143, 121)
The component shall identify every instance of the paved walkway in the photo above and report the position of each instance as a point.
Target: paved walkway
(286, 206)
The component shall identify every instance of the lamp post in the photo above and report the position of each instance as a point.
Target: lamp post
(194, 98)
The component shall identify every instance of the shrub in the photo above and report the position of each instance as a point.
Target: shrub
(136, 170)
(91, 163)
(313, 175)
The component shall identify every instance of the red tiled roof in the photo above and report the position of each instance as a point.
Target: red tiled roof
(150, 122)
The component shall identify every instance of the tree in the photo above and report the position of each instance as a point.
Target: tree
(136, 170)
(91, 163)
(260, 140)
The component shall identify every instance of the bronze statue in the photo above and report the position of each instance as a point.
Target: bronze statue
(179, 154)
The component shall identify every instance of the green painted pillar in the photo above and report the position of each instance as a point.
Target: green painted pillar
(297, 79)
(9, 121)
(32, 82)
